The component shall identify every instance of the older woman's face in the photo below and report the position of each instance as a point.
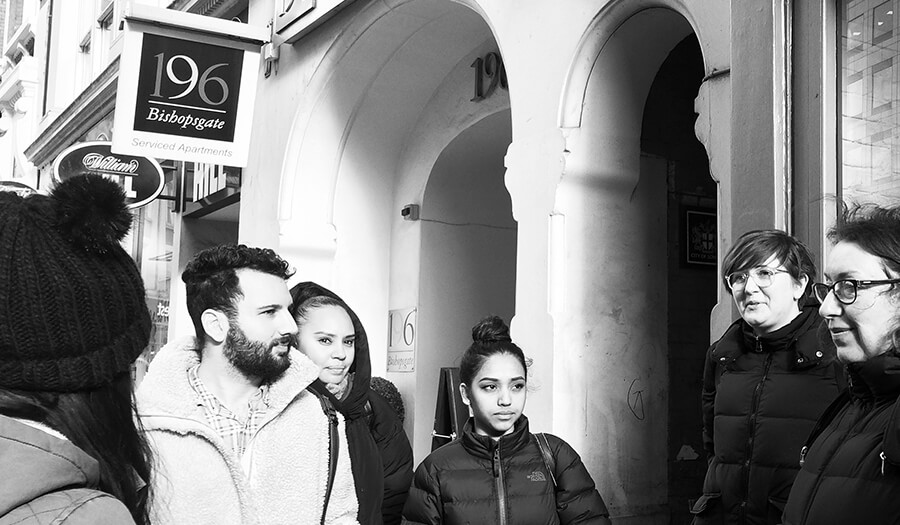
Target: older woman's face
(769, 307)
(863, 329)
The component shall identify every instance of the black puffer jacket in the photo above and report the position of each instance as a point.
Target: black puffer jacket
(761, 398)
(844, 478)
(380, 453)
(476, 480)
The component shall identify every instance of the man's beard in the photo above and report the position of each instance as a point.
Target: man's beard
(256, 358)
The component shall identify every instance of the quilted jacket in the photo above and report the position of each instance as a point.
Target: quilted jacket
(761, 398)
(47, 480)
(851, 471)
(476, 480)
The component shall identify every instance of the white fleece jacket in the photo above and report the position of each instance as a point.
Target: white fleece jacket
(199, 480)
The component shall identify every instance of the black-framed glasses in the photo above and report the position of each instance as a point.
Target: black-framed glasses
(845, 290)
(762, 275)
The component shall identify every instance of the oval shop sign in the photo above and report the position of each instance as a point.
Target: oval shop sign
(141, 177)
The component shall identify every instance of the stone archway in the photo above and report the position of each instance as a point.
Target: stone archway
(388, 96)
(611, 371)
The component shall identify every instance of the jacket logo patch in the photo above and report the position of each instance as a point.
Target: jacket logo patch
(537, 475)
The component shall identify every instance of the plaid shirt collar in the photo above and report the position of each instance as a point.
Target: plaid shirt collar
(228, 426)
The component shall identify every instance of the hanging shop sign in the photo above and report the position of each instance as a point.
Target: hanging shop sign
(187, 86)
(209, 188)
(141, 177)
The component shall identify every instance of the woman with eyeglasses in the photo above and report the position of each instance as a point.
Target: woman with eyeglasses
(765, 382)
(851, 462)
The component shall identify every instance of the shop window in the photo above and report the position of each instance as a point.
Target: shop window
(150, 244)
(869, 120)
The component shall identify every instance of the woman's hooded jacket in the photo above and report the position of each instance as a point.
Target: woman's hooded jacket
(380, 453)
(47, 479)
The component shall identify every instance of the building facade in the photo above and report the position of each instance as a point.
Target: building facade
(577, 168)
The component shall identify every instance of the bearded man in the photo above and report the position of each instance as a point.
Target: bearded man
(239, 438)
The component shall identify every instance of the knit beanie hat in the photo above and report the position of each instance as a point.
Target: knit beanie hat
(72, 309)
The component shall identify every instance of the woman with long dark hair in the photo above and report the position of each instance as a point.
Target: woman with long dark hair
(73, 318)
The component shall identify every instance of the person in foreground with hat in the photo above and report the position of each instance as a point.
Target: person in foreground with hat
(239, 438)
(73, 318)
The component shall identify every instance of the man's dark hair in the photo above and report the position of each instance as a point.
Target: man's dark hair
(211, 280)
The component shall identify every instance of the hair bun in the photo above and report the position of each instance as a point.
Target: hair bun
(491, 329)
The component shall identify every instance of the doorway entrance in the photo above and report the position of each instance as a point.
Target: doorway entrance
(668, 138)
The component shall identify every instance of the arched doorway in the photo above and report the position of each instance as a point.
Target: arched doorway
(612, 378)
(468, 253)
(383, 112)
(675, 155)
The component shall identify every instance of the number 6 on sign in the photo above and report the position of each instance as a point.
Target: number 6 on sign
(401, 340)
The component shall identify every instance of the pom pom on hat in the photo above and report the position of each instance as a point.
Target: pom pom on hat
(91, 212)
(73, 314)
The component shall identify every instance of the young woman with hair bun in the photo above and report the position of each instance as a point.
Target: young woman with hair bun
(497, 471)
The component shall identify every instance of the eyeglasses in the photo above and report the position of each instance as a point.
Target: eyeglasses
(845, 290)
(762, 276)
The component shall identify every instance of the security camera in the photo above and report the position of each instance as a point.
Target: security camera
(410, 212)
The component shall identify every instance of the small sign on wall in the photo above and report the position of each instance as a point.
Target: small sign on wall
(402, 333)
(700, 246)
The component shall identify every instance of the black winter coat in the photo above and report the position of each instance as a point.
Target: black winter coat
(476, 480)
(380, 453)
(851, 471)
(761, 398)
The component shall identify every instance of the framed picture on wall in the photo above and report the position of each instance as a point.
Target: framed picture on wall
(699, 237)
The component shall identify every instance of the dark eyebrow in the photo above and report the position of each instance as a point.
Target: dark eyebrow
(517, 378)
(270, 307)
(840, 276)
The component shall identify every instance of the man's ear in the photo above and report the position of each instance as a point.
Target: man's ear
(464, 392)
(215, 324)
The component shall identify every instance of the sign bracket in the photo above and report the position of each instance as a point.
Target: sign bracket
(195, 23)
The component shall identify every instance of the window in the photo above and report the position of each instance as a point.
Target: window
(13, 17)
(869, 119)
(883, 22)
(854, 32)
(882, 82)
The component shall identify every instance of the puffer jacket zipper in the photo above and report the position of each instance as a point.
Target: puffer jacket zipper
(751, 438)
(500, 483)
